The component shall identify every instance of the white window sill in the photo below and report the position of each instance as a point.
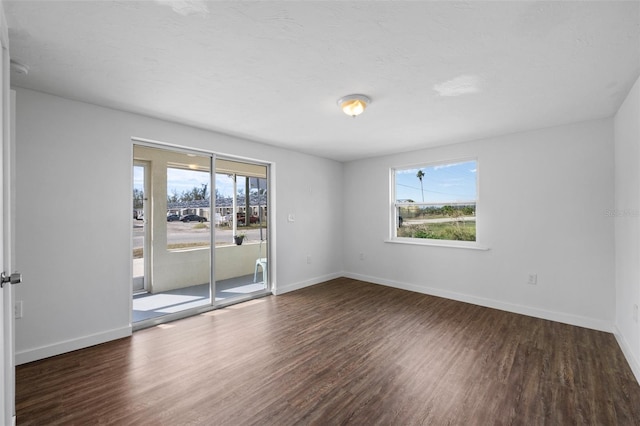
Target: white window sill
(469, 245)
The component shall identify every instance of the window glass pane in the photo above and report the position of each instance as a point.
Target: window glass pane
(175, 270)
(241, 229)
(254, 225)
(438, 222)
(439, 183)
(138, 228)
(437, 201)
(188, 212)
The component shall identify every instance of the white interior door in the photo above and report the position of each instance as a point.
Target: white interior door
(8, 161)
(7, 373)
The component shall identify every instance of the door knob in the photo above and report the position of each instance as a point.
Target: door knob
(15, 278)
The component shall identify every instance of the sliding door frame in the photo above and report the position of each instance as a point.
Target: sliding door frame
(212, 283)
(146, 240)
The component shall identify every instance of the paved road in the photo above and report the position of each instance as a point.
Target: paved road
(178, 232)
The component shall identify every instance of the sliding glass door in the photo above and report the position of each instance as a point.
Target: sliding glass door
(185, 208)
(178, 256)
(241, 229)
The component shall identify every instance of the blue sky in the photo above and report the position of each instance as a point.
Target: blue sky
(441, 182)
(180, 179)
(184, 180)
(137, 178)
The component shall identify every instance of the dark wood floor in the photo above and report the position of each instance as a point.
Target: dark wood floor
(342, 352)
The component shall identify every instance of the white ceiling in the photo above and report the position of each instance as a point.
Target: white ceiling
(438, 72)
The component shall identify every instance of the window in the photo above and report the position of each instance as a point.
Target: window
(436, 201)
(241, 202)
(188, 211)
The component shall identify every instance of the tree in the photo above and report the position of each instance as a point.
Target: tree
(187, 195)
(203, 194)
(467, 210)
(193, 194)
(174, 197)
(420, 175)
(454, 213)
(447, 210)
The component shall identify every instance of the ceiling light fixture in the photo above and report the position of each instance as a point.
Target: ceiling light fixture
(353, 104)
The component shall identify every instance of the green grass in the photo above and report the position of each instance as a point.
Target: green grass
(178, 246)
(461, 231)
(253, 226)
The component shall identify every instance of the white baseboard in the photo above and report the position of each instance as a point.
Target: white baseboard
(281, 289)
(628, 353)
(42, 352)
(595, 324)
(58, 348)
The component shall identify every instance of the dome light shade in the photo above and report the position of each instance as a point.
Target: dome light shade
(353, 104)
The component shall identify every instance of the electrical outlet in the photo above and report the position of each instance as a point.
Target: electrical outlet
(533, 279)
(635, 313)
(361, 256)
(308, 259)
(17, 309)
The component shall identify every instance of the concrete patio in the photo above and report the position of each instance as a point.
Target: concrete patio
(147, 305)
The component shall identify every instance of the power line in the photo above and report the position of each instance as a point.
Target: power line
(426, 190)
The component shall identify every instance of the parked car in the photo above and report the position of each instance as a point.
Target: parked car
(241, 218)
(193, 218)
(172, 217)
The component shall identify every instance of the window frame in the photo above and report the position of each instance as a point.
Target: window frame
(394, 205)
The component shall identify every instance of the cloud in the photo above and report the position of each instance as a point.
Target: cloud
(462, 85)
(406, 171)
(445, 166)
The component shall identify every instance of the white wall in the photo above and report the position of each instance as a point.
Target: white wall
(543, 202)
(627, 225)
(73, 217)
(543, 196)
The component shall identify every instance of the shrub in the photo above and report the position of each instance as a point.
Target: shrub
(450, 231)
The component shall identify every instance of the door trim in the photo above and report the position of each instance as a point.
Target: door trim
(270, 278)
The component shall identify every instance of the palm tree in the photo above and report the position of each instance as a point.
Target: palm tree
(419, 175)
